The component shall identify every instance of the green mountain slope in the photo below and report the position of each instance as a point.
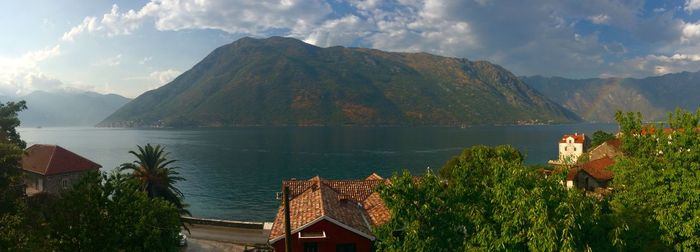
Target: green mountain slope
(283, 81)
(598, 99)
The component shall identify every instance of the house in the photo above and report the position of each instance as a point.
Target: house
(591, 175)
(331, 215)
(611, 148)
(571, 147)
(52, 169)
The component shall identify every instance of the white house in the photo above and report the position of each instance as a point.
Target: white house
(571, 147)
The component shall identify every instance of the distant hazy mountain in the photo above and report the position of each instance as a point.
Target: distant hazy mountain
(598, 99)
(67, 108)
(283, 81)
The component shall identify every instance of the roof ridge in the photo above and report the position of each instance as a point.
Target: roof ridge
(347, 197)
(53, 153)
(320, 192)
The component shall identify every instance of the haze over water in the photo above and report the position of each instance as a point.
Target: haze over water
(234, 173)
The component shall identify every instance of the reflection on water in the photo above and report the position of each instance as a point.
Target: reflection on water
(234, 173)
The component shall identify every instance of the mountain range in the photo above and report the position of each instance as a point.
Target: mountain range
(64, 108)
(597, 99)
(283, 81)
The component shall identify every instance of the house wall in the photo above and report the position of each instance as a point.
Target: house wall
(54, 183)
(334, 235)
(585, 181)
(570, 151)
(34, 181)
(51, 183)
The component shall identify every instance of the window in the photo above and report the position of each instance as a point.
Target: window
(64, 183)
(574, 148)
(348, 247)
(566, 148)
(314, 235)
(310, 247)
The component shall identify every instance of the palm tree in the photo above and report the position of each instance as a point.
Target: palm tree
(156, 175)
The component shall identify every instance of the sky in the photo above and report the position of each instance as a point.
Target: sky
(129, 47)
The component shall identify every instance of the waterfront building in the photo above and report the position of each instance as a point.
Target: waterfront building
(52, 169)
(571, 147)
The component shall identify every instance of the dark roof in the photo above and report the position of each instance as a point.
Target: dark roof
(598, 168)
(353, 203)
(614, 143)
(53, 159)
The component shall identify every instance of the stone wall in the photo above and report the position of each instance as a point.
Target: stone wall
(56, 184)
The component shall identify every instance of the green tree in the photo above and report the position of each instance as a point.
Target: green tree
(157, 177)
(110, 213)
(600, 137)
(12, 235)
(657, 187)
(487, 199)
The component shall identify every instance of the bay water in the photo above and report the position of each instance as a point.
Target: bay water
(234, 173)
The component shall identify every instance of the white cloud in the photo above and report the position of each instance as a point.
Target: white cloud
(89, 24)
(655, 64)
(690, 30)
(162, 77)
(599, 19)
(244, 16)
(21, 75)
(691, 5)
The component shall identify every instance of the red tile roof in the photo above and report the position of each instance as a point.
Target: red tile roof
(53, 159)
(598, 168)
(578, 138)
(353, 203)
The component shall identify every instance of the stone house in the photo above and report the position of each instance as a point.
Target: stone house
(52, 169)
(591, 175)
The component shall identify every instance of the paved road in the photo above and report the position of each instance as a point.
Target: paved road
(216, 238)
(197, 245)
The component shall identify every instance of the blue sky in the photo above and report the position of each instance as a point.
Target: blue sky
(129, 47)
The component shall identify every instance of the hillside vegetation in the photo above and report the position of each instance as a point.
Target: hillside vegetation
(284, 81)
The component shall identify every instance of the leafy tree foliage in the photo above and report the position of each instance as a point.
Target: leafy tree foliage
(486, 199)
(11, 190)
(600, 137)
(156, 176)
(657, 187)
(106, 213)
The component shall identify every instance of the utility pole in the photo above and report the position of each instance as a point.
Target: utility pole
(287, 225)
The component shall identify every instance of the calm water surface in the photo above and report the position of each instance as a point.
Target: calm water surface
(234, 173)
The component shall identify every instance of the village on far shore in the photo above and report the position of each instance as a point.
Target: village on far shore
(324, 214)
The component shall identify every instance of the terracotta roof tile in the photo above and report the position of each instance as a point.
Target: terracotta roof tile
(374, 176)
(351, 202)
(53, 159)
(578, 138)
(598, 168)
(377, 211)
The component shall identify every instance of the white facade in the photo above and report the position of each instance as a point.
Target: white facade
(570, 148)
